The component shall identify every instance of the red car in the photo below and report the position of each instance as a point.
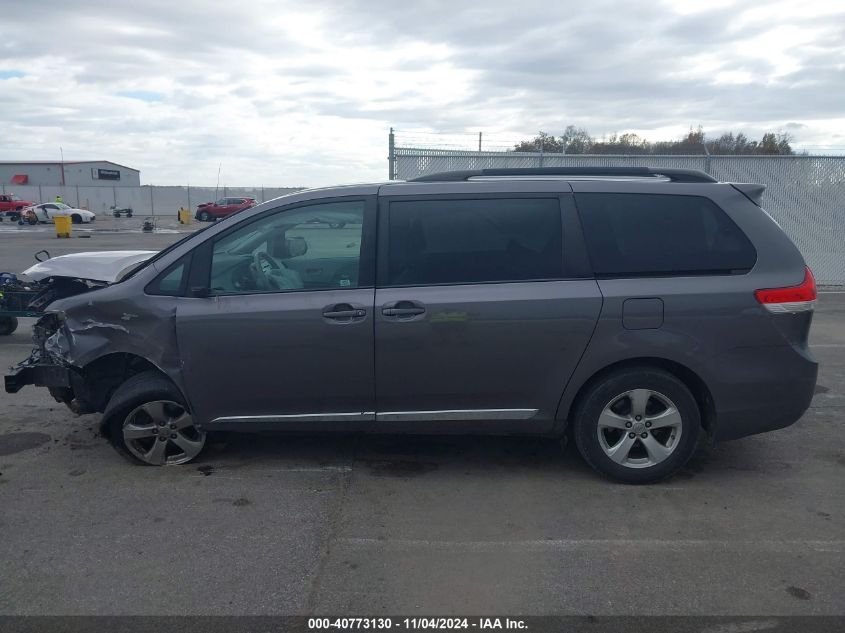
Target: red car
(211, 211)
(11, 206)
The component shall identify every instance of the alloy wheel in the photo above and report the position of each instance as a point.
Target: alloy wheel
(162, 432)
(639, 428)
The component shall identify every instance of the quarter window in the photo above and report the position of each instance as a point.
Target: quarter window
(171, 283)
(474, 241)
(646, 234)
(316, 247)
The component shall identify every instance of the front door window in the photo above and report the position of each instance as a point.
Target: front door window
(316, 247)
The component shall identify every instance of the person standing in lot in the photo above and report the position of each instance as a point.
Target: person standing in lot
(59, 199)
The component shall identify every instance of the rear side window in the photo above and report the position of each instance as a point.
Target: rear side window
(645, 234)
(473, 241)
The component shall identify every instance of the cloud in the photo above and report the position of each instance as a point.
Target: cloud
(297, 92)
(141, 95)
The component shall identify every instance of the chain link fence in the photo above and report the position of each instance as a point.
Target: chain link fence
(805, 194)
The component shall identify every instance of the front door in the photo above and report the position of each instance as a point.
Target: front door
(285, 337)
(477, 317)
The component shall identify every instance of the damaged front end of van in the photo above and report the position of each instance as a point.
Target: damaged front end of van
(87, 341)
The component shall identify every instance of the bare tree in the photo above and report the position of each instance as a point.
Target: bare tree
(576, 140)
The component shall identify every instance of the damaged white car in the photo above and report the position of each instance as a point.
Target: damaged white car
(47, 213)
(50, 279)
(101, 266)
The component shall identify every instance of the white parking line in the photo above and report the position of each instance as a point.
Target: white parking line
(614, 544)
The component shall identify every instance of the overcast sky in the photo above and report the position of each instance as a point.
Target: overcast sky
(303, 93)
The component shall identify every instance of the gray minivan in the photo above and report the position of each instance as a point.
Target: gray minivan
(640, 310)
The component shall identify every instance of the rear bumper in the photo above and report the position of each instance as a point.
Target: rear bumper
(771, 392)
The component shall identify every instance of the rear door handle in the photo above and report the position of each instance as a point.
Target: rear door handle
(344, 312)
(402, 309)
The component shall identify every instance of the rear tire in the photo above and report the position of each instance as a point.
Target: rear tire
(204, 216)
(8, 325)
(637, 425)
(148, 422)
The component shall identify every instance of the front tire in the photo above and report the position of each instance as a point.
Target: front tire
(147, 421)
(204, 216)
(76, 218)
(637, 425)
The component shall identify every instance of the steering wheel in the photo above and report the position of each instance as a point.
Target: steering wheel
(263, 264)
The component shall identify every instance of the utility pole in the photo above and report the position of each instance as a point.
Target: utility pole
(62, 152)
(479, 142)
(217, 186)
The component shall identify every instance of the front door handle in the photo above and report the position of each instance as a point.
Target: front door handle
(403, 309)
(344, 312)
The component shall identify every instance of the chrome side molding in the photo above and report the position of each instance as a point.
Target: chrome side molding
(357, 416)
(456, 414)
(386, 416)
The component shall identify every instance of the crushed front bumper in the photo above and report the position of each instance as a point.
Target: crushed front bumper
(33, 372)
(42, 368)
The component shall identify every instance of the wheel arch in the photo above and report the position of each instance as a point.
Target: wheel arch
(102, 376)
(691, 379)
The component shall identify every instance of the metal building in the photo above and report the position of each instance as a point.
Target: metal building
(68, 173)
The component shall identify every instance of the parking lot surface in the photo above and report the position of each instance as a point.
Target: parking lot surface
(19, 243)
(412, 525)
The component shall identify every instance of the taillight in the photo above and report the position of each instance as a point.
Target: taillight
(801, 298)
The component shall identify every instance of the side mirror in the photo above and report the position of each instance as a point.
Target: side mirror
(200, 292)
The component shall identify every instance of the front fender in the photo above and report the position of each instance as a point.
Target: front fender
(107, 322)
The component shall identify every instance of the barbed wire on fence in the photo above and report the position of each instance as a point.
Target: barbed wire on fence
(467, 141)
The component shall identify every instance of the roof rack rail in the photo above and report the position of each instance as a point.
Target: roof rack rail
(675, 175)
